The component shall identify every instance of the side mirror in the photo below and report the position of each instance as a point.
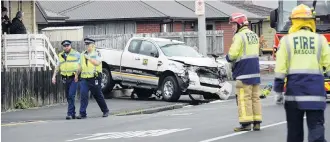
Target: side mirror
(154, 54)
(273, 18)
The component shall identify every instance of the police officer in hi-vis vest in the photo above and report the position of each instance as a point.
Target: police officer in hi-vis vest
(300, 58)
(244, 52)
(90, 74)
(69, 60)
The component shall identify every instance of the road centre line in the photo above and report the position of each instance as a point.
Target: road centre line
(243, 132)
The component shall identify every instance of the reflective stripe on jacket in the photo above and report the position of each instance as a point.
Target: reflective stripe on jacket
(244, 51)
(300, 59)
(99, 67)
(68, 65)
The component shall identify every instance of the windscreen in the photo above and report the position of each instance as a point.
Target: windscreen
(172, 49)
(322, 14)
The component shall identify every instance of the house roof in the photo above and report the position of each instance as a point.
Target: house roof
(43, 16)
(229, 9)
(210, 11)
(256, 9)
(100, 10)
(60, 6)
(171, 9)
(141, 9)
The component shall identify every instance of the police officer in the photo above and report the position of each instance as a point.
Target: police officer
(68, 63)
(90, 79)
(300, 58)
(244, 55)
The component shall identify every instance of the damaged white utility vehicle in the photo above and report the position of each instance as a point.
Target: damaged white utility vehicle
(164, 67)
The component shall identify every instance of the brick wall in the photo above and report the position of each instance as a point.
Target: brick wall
(147, 27)
(177, 27)
(151, 27)
(188, 26)
(228, 34)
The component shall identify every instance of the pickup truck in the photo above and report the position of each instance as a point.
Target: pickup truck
(164, 67)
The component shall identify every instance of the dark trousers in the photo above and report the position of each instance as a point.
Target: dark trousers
(70, 93)
(295, 124)
(87, 85)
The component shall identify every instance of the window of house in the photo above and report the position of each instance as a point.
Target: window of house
(166, 27)
(209, 26)
(147, 48)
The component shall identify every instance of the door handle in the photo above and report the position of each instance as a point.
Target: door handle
(159, 63)
(137, 58)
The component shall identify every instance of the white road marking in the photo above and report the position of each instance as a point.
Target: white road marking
(188, 106)
(243, 132)
(180, 114)
(129, 134)
(220, 101)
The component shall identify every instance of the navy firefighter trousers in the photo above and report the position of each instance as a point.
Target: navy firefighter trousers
(295, 123)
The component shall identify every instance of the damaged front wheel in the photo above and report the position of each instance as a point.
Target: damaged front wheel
(170, 89)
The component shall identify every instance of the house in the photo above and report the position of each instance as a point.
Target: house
(124, 17)
(28, 7)
(263, 27)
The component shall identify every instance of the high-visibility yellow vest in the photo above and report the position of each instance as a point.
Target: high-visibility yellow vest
(69, 66)
(88, 70)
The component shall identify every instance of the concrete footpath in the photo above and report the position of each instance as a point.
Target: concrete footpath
(118, 106)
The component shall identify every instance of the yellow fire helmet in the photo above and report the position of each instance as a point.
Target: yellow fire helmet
(303, 12)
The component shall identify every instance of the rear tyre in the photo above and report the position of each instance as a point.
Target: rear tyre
(107, 82)
(170, 89)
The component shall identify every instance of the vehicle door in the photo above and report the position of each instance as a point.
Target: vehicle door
(149, 56)
(130, 62)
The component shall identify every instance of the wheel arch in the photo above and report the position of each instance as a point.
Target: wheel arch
(105, 65)
(165, 74)
(171, 73)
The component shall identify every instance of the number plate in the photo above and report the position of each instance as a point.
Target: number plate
(209, 80)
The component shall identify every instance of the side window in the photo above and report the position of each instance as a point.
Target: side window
(148, 49)
(134, 46)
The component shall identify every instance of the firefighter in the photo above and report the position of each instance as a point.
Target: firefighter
(69, 60)
(90, 76)
(304, 91)
(244, 55)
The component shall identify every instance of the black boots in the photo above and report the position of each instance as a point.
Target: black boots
(256, 127)
(247, 127)
(243, 128)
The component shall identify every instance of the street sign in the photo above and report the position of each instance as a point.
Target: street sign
(199, 7)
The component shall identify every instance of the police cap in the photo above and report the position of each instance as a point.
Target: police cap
(88, 40)
(66, 42)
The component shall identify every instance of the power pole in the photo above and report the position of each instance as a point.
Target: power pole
(200, 12)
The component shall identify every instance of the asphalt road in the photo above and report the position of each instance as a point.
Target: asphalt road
(120, 104)
(203, 123)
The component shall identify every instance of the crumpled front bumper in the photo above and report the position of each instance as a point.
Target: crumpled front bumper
(198, 85)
